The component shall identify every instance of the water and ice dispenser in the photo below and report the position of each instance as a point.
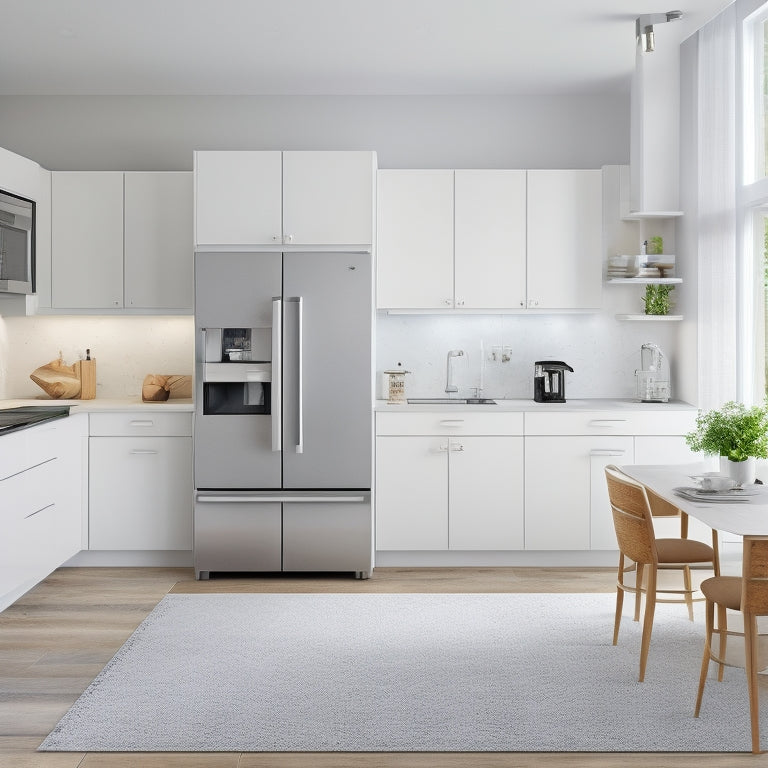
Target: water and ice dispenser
(237, 370)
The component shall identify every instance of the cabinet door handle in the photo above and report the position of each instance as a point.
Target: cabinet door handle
(457, 447)
(606, 452)
(287, 238)
(142, 423)
(606, 423)
(443, 448)
(142, 452)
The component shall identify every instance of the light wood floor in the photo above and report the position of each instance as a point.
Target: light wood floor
(57, 638)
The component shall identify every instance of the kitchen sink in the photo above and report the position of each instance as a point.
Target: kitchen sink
(451, 401)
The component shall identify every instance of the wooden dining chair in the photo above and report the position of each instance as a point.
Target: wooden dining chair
(748, 594)
(640, 551)
(661, 508)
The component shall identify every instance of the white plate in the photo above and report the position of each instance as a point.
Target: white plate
(734, 494)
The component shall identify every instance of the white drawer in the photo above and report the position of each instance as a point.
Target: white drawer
(449, 422)
(29, 447)
(654, 422)
(140, 424)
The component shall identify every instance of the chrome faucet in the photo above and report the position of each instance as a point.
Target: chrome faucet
(449, 385)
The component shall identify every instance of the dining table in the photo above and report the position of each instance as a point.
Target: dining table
(742, 511)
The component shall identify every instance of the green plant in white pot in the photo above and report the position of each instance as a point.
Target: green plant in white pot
(736, 433)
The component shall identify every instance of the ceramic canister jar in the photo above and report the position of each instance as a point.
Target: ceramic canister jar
(396, 385)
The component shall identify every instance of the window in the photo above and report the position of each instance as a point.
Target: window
(755, 88)
(753, 195)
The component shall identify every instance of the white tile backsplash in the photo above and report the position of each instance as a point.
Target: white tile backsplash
(603, 351)
(125, 349)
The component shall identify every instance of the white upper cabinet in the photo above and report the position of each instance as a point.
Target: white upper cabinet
(238, 198)
(489, 239)
(121, 240)
(87, 239)
(415, 239)
(328, 198)
(273, 198)
(158, 241)
(565, 239)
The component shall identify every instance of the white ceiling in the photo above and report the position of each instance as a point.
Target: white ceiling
(328, 47)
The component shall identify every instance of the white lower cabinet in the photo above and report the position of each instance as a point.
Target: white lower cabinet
(485, 497)
(449, 490)
(40, 502)
(566, 501)
(474, 481)
(140, 481)
(412, 493)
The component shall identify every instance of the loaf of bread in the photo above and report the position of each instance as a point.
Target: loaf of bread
(157, 387)
(57, 379)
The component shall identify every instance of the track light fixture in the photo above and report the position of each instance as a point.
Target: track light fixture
(644, 26)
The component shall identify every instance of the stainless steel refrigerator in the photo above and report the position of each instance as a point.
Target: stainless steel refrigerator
(283, 422)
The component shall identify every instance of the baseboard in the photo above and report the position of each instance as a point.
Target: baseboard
(171, 558)
(541, 559)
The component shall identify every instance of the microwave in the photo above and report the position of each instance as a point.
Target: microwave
(17, 244)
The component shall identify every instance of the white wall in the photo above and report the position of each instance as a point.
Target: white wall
(126, 349)
(160, 133)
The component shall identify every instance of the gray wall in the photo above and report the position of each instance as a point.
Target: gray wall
(160, 133)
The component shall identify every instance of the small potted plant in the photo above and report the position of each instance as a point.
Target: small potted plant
(655, 245)
(657, 299)
(735, 433)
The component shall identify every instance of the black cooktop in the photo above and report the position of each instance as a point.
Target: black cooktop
(12, 419)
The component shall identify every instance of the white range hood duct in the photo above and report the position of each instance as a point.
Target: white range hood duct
(655, 116)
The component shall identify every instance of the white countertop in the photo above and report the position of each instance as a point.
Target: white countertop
(589, 404)
(105, 404)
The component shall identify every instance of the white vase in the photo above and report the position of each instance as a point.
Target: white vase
(743, 472)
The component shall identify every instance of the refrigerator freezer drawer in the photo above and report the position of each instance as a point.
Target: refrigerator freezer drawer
(236, 537)
(331, 535)
(254, 531)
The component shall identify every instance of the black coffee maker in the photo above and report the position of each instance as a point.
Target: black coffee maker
(549, 381)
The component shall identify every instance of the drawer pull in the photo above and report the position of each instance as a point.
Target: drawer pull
(606, 422)
(451, 422)
(142, 423)
(142, 452)
(38, 511)
(606, 452)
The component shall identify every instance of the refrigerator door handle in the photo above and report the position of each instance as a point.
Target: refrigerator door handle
(300, 346)
(277, 374)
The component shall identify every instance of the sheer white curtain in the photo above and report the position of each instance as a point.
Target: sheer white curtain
(717, 261)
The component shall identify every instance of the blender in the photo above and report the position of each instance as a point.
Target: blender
(652, 379)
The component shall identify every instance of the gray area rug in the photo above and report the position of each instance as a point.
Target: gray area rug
(404, 672)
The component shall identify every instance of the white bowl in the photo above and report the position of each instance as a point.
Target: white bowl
(713, 481)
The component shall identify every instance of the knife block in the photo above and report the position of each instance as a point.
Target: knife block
(86, 372)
